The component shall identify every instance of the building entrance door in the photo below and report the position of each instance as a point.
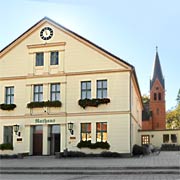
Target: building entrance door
(37, 140)
(55, 137)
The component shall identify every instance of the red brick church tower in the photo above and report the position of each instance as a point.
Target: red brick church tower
(155, 114)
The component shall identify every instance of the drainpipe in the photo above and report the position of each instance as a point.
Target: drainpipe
(130, 108)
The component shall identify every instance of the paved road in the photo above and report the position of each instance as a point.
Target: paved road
(165, 166)
(90, 177)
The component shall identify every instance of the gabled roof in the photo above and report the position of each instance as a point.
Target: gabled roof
(69, 31)
(46, 19)
(157, 72)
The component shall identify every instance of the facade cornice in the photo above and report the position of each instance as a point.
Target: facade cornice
(31, 76)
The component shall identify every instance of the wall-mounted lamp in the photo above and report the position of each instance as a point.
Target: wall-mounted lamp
(70, 127)
(16, 129)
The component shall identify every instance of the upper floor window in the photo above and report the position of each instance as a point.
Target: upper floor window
(102, 89)
(155, 96)
(9, 95)
(54, 59)
(85, 131)
(159, 96)
(101, 132)
(55, 92)
(40, 59)
(86, 89)
(38, 93)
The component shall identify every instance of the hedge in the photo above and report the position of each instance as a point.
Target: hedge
(6, 146)
(88, 144)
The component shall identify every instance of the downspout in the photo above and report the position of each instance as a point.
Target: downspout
(130, 108)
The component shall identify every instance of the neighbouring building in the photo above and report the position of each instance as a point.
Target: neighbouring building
(154, 114)
(58, 89)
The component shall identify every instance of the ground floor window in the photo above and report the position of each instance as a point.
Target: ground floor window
(101, 132)
(173, 138)
(85, 131)
(8, 134)
(165, 138)
(145, 139)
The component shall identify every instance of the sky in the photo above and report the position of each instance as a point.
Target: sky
(129, 29)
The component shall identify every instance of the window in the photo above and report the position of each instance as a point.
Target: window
(55, 92)
(9, 95)
(54, 59)
(145, 139)
(165, 138)
(86, 89)
(38, 93)
(85, 131)
(173, 138)
(155, 96)
(102, 89)
(40, 59)
(8, 134)
(159, 96)
(101, 132)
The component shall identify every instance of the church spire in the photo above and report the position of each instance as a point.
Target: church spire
(157, 72)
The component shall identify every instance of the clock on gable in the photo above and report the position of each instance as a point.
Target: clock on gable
(46, 33)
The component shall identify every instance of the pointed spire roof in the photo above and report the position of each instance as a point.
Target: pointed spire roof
(157, 72)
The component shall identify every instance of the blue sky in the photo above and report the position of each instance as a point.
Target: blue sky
(129, 29)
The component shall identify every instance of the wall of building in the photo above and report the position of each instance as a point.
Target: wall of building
(156, 136)
(79, 61)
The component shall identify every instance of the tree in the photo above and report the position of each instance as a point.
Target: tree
(145, 99)
(173, 116)
(178, 97)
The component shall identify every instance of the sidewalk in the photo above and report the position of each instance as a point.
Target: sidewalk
(164, 163)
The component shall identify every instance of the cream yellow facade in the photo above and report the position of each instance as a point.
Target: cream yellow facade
(79, 61)
(159, 137)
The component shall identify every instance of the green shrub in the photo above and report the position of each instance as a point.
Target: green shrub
(139, 150)
(170, 147)
(110, 154)
(88, 144)
(7, 107)
(6, 146)
(44, 104)
(93, 102)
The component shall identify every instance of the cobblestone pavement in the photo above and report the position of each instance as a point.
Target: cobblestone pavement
(150, 167)
(90, 177)
(167, 159)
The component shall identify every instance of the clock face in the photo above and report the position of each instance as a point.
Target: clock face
(46, 33)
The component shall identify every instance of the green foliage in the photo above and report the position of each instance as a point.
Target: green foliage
(44, 104)
(178, 97)
(145, 99)
(93, 102)
(7, 107)
(88, 144)
(6, 146)
(173, 118)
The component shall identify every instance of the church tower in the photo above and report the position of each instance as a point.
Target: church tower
(157, 96)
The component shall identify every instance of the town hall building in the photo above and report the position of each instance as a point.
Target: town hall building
(59, 90)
